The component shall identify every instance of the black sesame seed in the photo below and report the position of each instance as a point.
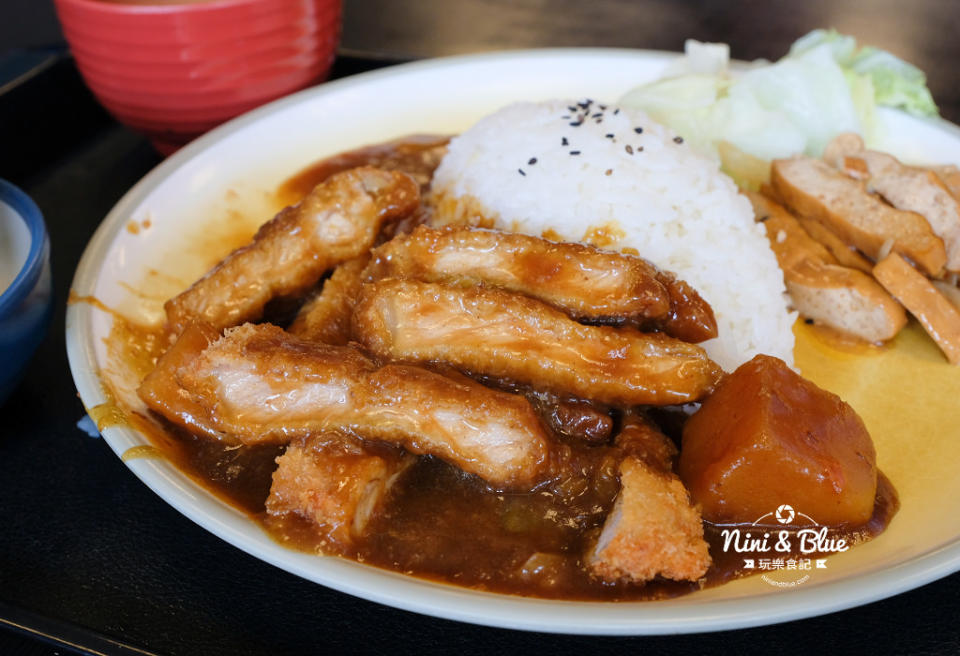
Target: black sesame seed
(597, 115)
(763, 218)
(638, 130)
(616, 111)
(564, 142)
(576, 124)
(572, 108)
(574, 152)
(809, 322)
(678, 140)
(520, 171)
(602, 107)
(629, 149)
(532, 161)
(609, 135)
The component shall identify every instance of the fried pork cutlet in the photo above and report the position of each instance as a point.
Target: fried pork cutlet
(326, 317)
(417, 155)
(161, 391)
(259, 384)
(653, 530)
(585, 282)
(574, 418)
(640, 438)
(495, 333)
(335, 483)
(337, 221)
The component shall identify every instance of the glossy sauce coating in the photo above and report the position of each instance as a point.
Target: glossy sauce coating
(416, 155)
(490, 332)
(259, 384)
(584, 282)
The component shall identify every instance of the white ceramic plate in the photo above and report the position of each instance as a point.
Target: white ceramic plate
(160, 235)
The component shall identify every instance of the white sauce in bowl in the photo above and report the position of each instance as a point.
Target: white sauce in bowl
(14, 245)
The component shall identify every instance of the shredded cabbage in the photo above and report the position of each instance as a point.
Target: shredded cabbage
(823, 87)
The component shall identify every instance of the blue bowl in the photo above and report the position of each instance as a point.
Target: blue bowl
(25, 304)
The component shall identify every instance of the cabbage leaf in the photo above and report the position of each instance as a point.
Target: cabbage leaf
(823, 87)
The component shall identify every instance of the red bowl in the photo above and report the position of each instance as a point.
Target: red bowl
(174, 71)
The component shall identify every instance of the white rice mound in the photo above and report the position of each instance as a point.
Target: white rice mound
(553, 169)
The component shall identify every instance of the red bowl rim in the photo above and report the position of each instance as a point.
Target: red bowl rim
(120, 8)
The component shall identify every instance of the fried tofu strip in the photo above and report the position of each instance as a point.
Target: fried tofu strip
(585, 282)
(495, 333)
(337, 221)
(938, 316)
(904, 187)
(816, 190)
(259, 384)
(950, 176)
(326, 317)
(842, 298)
(334, 483)
(845, 254)
(950, 292)
(653, 530)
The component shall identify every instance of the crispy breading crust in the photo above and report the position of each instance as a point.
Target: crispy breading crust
(584, 282)
(333, 482)
(337, 221)
(653, 530)
(259, 384)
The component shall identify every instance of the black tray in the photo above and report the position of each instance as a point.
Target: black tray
(91, 561)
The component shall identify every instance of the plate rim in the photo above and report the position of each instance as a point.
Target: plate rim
(488, 609)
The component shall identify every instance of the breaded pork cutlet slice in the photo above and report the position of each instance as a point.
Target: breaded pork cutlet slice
(337, 221)
(259, 384)
(508, 336)
(584, 282)
(335, 483)
(654, 529)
